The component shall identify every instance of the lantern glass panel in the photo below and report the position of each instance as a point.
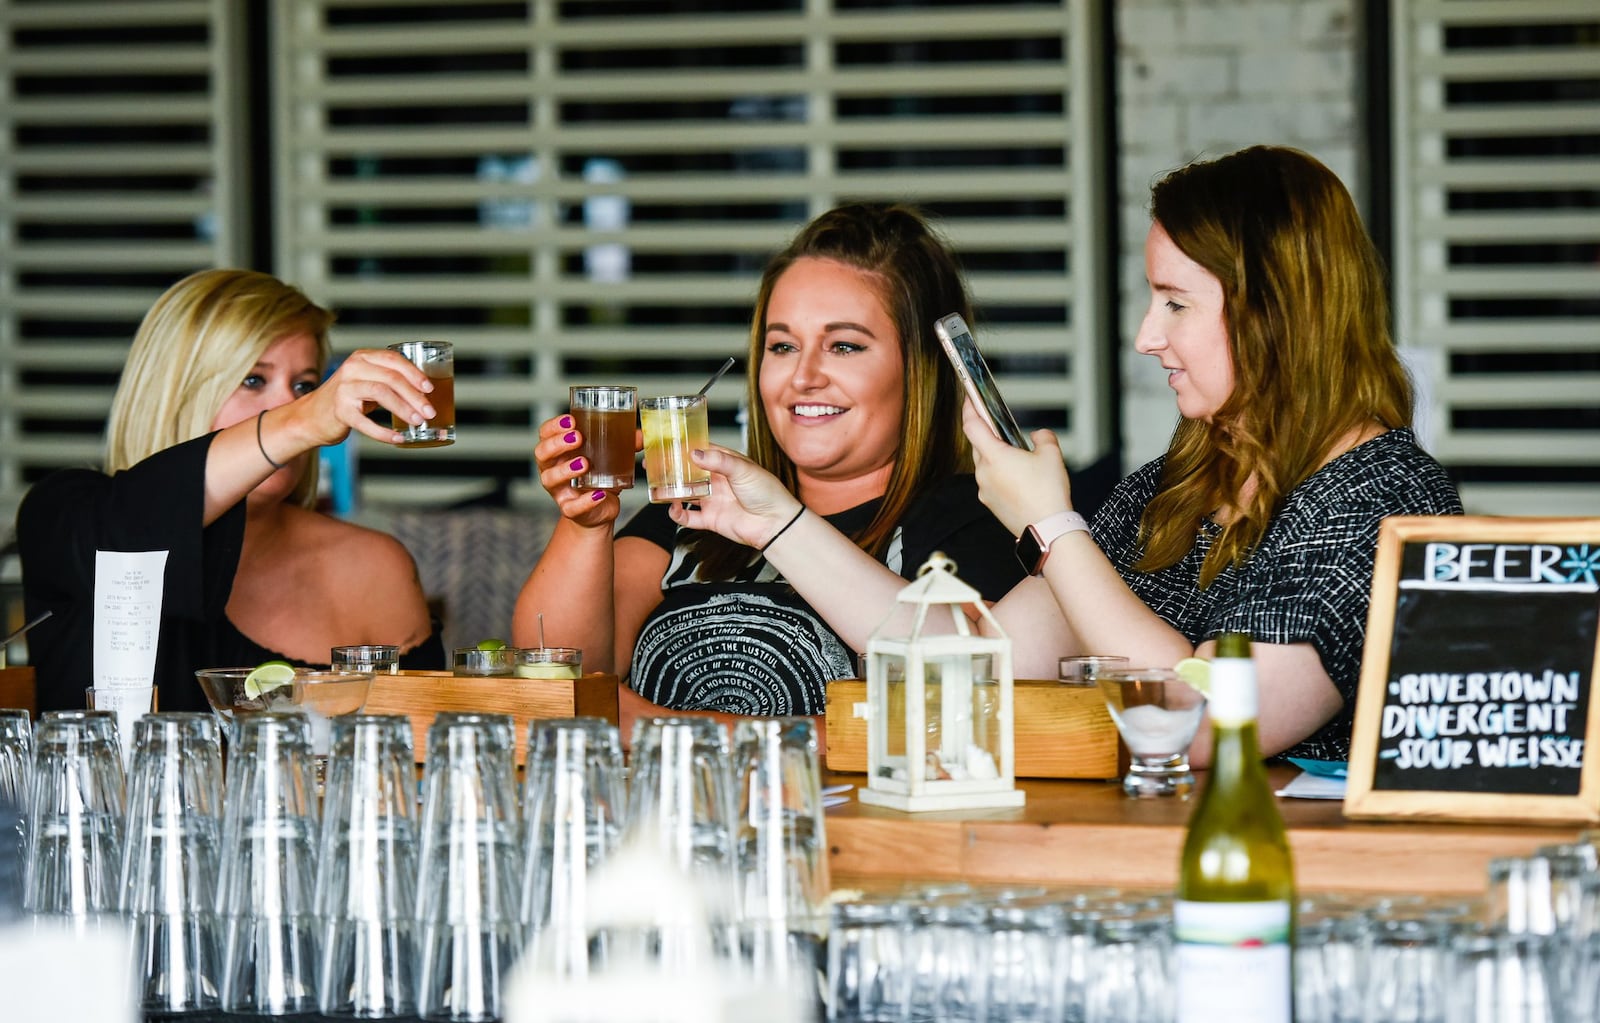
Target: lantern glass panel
(963, 717)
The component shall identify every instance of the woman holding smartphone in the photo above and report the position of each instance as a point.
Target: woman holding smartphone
(1268, 309)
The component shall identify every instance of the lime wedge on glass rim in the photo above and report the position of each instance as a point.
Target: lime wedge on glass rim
(491, 644)
(267, 677)
(1197, 672)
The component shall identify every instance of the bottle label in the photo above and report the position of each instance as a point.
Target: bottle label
(1232, 962)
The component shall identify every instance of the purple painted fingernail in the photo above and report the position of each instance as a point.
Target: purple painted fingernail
(598, 495)
(571, 438)
(566, 422)
(576, 465)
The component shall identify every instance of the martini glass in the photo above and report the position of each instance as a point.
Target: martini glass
(318, 693)
(1157, 714)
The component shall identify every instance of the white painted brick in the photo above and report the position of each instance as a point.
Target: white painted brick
(1148, 128)
(1173, 76)
(1238, 26)
(1144, 25)
(1298, 72)
(1329, 22)
(1219, 128)
(1147, 422)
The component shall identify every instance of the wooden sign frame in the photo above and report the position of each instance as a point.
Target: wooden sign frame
(1362, 800)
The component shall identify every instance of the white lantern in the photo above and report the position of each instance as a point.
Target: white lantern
(939, 705)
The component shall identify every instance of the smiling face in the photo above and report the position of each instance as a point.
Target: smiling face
(285, 371)
(832, 374)
(1185, 327)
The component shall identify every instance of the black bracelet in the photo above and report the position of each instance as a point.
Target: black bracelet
(263, 447)
(763, 548)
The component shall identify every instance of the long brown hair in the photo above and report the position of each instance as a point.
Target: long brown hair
(919, 281)
(1307, 317)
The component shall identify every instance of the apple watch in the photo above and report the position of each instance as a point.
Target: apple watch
(1033, 546)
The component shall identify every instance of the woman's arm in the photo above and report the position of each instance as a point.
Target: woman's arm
(850, 589)
(238, 460)
(1099, 613)
(1296, 697)
(593, 590)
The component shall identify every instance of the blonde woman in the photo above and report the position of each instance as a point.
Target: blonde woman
(211, 458)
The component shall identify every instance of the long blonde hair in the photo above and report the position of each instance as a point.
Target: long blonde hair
(194, 348)
(1307, 316)
(919, 280)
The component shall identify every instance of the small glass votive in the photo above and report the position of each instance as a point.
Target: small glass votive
(1157, 714)
(481, 663)
(1084, 669)
(375, 658)
(558, 662)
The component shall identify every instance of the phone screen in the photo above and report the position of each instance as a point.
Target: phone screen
(978, 381)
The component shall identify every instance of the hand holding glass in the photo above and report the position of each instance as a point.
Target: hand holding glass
(674, 426)
(436, 359)
(604, 416)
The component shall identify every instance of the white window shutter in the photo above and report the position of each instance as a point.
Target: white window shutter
(586, 192)
(120, 131)
(1497, 244)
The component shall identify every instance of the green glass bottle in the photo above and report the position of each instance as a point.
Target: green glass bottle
(1233, 917)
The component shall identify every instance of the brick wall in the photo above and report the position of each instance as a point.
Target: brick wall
(1201, 78)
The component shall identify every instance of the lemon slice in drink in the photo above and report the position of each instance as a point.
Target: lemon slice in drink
(1196, 671)
(267, 677)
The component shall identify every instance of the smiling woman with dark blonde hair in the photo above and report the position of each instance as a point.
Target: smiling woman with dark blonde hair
(211, 460)
(855, 414)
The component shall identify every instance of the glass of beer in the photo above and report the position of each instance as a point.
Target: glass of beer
(604, 415)
(674, 426)
(438, 360)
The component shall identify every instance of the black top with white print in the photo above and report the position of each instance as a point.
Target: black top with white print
(1309, 580)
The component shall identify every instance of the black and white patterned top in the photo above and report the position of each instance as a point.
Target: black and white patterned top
(751, 645)
(1310, 579)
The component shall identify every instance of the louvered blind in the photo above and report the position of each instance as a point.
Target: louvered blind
(119, 173)
(586, 192)
(1497, 269)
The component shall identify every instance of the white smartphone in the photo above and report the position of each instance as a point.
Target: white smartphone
(979, 382)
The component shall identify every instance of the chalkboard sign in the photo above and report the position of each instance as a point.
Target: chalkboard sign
(1482, 646)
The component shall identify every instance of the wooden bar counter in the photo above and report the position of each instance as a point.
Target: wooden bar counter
(1087, 833)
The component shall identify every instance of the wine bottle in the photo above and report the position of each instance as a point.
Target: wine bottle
(1233, 916)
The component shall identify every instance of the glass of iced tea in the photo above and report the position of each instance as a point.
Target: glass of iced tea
(674, 426)
(438, 360)
(604, 415)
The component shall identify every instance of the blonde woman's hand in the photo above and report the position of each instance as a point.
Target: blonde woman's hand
(560, 462)
(746, 504)
(367, 379)
(1020, 487)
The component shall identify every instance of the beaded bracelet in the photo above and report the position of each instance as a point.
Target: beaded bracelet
(763, 548)
(263, 447)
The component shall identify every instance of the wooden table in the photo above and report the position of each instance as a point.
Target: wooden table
(1087, 833)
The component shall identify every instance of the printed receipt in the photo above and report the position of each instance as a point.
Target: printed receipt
(127, 617)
